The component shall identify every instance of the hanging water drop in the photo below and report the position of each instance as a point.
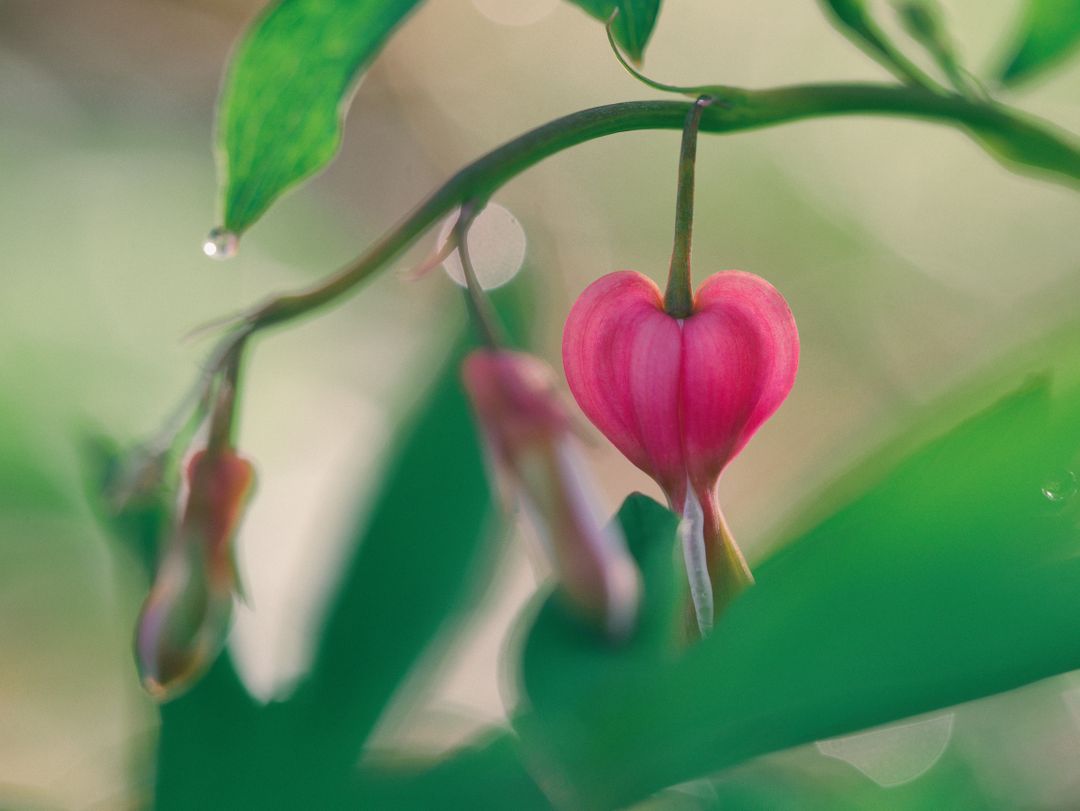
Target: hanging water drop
(221, 244)
(1060, 487)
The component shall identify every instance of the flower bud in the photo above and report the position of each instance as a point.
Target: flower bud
(185, 619)
(530, 438)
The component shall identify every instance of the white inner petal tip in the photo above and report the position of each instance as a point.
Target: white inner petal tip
(692, 535)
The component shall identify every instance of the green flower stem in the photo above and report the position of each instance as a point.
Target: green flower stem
(679, 296)
(1018, 140)
(223, 416)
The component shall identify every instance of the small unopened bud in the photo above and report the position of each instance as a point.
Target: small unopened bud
(534, 448)
(185, 619)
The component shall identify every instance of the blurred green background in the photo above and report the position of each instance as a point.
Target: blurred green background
(911, 259)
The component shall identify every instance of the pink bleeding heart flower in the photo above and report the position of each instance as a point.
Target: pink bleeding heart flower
(185, 619)
(537, 456)
(681, 397)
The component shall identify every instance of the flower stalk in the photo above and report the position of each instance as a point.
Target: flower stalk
(481, 312)
(679, 296)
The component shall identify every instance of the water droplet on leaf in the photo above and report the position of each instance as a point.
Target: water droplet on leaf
(221, 244)
(1060, 487)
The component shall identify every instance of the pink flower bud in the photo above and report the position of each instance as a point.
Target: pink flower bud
(185, 619)
(681, 397)
(534, 449)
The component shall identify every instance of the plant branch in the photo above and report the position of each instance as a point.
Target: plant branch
(481, 312)
(1020, 142)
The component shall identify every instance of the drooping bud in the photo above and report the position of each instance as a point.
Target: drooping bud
(680, 397)
(185, 619)
(530, 438)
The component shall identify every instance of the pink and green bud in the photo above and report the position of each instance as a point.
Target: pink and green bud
(680, 397)
(185, 619)
(539, 460)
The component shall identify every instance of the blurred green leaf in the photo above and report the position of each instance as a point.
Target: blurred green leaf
(633, 26)
(286, 92)
(425, 550)
(418, 559)
(487, 775)
(1047, 32)
(925, 22)
(212, 739)
(806, 781)
(127, 490)
(854, 20)
(422, 557)
(951, 576)
(562, 653)
(410, 577)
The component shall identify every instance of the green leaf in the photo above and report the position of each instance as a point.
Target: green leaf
(948, 577)
(633, 26)
(1048, 31)
(853, 19)
(562, 653)
(421, 555)
(210, 742)
(925, 23)
(286, 92)
(128, 492)
(486, 774)
(422, 558)
(418, 558)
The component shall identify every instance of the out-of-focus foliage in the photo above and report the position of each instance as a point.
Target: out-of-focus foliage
(854, 20)
(129, 493)
(924, 21)
(633, 23)
(952, 576)
(413, 574)
(286, 91)
(910, 259)
(1049, 31)
(562, 657)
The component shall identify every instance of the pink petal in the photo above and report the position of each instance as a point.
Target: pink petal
(740, 355)
(526, 427)
(621, 354)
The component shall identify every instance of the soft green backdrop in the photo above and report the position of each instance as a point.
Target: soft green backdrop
(911, 259)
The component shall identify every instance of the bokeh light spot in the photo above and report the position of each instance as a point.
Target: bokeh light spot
(896, 754)
(496, 247)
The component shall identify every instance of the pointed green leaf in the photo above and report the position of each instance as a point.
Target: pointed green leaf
(854, 20)
(633, 25)
(286, 91)
(1049, 30)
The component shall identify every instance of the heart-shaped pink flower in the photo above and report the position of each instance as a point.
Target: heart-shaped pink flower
(681, 397)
